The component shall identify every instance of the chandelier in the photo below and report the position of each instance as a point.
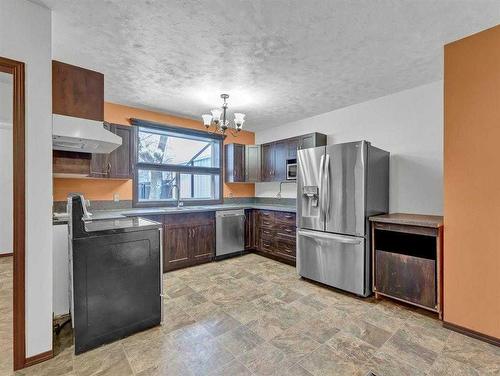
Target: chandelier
(222, 125)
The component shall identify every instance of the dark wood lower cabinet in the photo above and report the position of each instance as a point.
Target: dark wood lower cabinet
(189, 238)
(176, 247)
(202, 243)
(407, 259)
(249, 229)
(275, 235)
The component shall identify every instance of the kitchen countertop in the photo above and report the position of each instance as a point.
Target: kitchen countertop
(120, 225)
(99, 215)
(434, 221)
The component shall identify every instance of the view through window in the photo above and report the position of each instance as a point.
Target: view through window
(168, 159)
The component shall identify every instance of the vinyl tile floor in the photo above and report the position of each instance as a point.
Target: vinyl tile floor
(253, 316)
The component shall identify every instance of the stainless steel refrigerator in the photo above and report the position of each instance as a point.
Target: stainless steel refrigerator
(338, 188)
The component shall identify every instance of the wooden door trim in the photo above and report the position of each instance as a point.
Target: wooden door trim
(16, 68)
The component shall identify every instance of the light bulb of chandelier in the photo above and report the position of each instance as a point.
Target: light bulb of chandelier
(207, 120)
(239, 119)
(216, 113)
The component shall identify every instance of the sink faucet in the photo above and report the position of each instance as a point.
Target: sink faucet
(179, 202)
(278, 196)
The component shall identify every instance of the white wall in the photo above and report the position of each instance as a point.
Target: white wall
(408, 124)
(25, 35)
(6, 195)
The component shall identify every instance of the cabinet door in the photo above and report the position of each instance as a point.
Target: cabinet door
(121, 158)
(267, 170)
(285, 248)
(280, 157)
(307, 141)
(100, 166)
(202, 243)
(176, 247)
(249, 229)
(234, 163)
(252, 163)
(293, 145)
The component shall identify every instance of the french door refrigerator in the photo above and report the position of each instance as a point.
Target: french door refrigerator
(338, 188)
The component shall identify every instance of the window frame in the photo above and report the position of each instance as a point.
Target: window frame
(178, 169)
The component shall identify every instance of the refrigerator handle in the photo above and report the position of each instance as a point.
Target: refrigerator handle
(327, 236)
(320, 198)
(327, 185)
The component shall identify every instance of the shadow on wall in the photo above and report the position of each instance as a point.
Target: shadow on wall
(408, 193)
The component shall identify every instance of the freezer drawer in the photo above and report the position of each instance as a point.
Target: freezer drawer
(335, 260)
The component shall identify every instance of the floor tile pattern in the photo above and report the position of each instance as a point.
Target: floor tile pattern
(6, 318)
(254, 316)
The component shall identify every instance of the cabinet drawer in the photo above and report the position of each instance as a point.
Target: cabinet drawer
(265, 233)
(285, 217)
(266, 245)
(286, 230)
(266, 223)
(406, 277)
(285, 248)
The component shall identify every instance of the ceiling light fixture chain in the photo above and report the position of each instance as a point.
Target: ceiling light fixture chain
(222, 125)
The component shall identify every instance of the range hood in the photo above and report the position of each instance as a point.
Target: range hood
(82, 135)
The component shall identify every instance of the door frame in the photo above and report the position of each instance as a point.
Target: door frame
(16, 68)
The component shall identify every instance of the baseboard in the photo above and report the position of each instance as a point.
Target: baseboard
(38, 358)
(275, 258)
(6, 254)
(472, 333)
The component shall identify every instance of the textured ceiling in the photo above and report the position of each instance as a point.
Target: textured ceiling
(279, 60)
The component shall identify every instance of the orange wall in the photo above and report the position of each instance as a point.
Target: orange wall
(95, 189)
(472, 182)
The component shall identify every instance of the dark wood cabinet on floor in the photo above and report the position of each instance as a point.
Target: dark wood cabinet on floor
(275, 235)
(407, 258)
(118, 164)
(234, 163)
(249, 229)
(189, 239)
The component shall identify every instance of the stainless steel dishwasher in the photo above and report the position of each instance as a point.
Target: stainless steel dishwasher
(229, 232)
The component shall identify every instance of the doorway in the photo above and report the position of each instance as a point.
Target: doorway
(12, 216)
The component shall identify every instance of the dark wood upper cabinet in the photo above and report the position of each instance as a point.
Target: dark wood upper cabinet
(280, 157)
(77, 92)
(243, 165)
(234, 163)
(275, 154)
(267, 162)
(118, 164)
(121, 158)
(293, 145)
(311, 140)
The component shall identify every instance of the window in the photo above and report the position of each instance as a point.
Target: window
(172, 161)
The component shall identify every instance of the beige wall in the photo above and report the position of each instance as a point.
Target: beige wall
(472, 182)
(95, 189)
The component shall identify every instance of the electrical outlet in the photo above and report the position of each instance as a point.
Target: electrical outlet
(116, 197)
